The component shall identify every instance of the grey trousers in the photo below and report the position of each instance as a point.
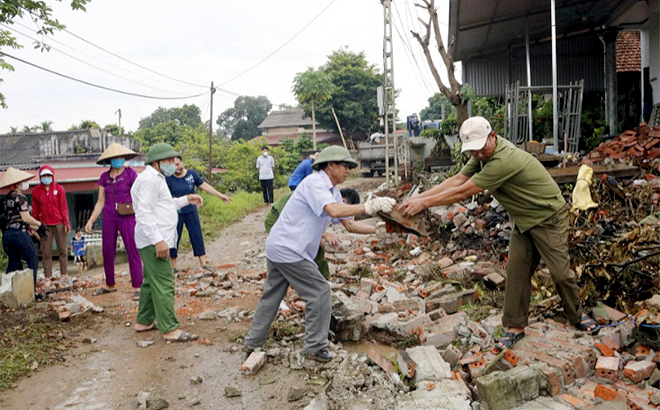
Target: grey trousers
(304, 277)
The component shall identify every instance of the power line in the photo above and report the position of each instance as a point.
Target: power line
(2, 53)
(130, 62)
(408, 49)
(53, 40)
(282, 46)
(86, 62)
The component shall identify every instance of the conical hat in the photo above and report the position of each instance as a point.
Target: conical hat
(115, 150)
(14, 176)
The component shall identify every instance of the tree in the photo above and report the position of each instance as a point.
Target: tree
(435, 111)
(27, 128)
(312, 86)
(354, 98)
(114, 129)
(188, 115)
(13, 130)
(46, 126)
(40, 13)
(240, 122)
(88, 124)
(454, 92)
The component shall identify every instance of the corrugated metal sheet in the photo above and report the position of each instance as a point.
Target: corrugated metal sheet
(579, 57)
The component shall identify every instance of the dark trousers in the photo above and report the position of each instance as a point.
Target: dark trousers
(191, 219)
(548, 241)
(267, 189)
(18, 245)
(57, 232)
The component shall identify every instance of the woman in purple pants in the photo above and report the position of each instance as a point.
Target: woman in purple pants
(114, 199)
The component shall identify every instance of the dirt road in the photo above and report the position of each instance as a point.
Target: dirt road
(112, 371)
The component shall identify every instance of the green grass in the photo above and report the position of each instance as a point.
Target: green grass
(215, 214)
(22, 346)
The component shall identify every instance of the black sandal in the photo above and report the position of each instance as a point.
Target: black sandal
(103, 291)
(587, 324)
(184, 337)
(508, 340)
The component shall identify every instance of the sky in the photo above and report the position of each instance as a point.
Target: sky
(184, 48)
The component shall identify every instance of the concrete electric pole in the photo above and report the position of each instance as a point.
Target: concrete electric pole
(211, 132)
(119, 112)
(389, 116)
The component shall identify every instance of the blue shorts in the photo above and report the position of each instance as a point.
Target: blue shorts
(191, 219)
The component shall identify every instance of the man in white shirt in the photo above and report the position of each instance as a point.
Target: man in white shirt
(265, 165)
(293, 244)
(155, 233)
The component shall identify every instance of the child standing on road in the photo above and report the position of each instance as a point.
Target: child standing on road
(79, 250)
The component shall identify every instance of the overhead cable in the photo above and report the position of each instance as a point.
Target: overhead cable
(2, 53)
(86, 62)
(280, 47)
(135, 64)
(53, 40)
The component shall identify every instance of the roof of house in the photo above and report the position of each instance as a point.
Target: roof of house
(628, 51)
(321, 137)
(481, 28)
(286, 118)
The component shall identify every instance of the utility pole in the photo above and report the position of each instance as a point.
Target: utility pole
(119, 112)
(211, 132)
(388, 92)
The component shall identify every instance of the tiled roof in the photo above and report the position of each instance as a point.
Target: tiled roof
(286, 118)
(628, 51)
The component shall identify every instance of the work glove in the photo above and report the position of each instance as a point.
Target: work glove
(42, 232)
(375, 205)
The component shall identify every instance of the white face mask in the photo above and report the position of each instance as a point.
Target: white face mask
(265, 153)
(24, 186)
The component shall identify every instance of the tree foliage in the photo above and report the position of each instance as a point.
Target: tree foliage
(42, 16)
(312, 86)
(354, 97)
(187, 115)
(240, 121)
(434, 109)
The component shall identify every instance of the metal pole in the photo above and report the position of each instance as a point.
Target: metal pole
(529, 84)
(211, 132)
(555, 114)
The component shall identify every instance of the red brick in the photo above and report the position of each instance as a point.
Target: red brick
(614, 314)
(610, 342)
(578, 364)
(572, 400)
(553, 375)
(541, 345)
(638, 371)
(529, 332)
(643, 351)
(382, 361)
(607, 367)
(607, 393)
(563, 365)
(604, 349)
(254, 362)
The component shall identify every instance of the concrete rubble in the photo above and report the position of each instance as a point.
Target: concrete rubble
(17, 289)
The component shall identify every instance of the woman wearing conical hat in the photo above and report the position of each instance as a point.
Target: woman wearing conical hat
(16, 240)
(113, 201)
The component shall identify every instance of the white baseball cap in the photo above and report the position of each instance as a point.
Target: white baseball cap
(45, 171)
(474, 133)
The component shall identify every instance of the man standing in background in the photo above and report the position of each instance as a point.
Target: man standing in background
(50, 207)
(265, 165)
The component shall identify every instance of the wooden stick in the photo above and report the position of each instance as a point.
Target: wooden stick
(338, 127)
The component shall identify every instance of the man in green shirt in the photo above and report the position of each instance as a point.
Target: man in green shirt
(539, 212)
(351, 197)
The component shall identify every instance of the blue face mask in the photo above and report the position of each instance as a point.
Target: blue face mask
(167, 169)
(46, 180)
(117, 162)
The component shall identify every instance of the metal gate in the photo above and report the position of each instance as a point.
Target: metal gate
(516, 121)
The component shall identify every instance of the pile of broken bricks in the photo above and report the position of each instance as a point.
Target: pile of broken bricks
(73, 305)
